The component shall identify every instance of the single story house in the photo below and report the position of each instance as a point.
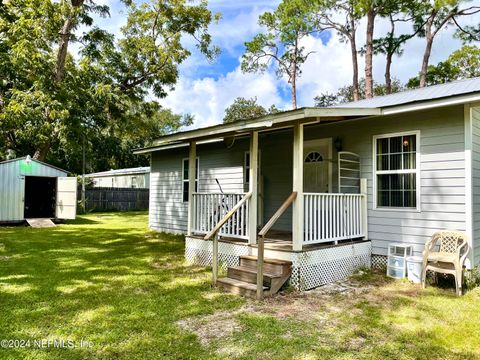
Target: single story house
(33, 189)
(136, 178)
(358, 176)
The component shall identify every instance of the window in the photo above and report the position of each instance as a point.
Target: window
(314, 156)
(185, 178)
(134, 182)
(396, 172)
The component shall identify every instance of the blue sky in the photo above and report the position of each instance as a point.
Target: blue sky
(205, 89)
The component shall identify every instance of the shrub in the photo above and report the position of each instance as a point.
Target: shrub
(472, 278)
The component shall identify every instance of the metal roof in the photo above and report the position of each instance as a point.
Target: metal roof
(34, 160)
(137, 170)
(267, 122)
(456, 92)
(454, 88)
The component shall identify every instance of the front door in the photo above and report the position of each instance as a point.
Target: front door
(317, 166)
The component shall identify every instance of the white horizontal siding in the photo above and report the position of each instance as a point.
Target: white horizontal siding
(168, 212)
(442, 184)
(122, 181)
(442, 163)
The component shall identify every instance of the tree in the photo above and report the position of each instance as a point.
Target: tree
(279, 45)
(434, 17)
(50, 99)
(328, 99)
(346, 93)
(391, 44)
(463, 63)
(326, 16)
(244, 109)
(370, 9)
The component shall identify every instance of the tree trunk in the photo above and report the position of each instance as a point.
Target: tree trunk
(369, 54)
(388, 76)
(42, 151)
(62, 49)
(65, 34)
(293, 75)
(426, 58)
(353, 47)
(294, 90)
(391, 49)
(428, 49)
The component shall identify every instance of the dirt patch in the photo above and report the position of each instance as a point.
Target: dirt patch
(218, 325)
(315, 305)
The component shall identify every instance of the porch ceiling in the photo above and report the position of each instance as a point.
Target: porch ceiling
(266, 123)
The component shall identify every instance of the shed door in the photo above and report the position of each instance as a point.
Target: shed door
(66, 198)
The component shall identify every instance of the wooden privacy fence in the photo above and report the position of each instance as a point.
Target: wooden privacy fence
(120, 199)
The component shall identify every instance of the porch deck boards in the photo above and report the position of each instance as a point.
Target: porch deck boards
(282, 241)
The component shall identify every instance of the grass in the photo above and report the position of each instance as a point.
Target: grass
(106, 279)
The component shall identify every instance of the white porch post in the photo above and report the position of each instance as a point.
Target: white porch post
(364, 210)
(297, 221)
(253, 188)
(192, 172)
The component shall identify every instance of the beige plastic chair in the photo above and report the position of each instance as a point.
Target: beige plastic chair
(445, 253)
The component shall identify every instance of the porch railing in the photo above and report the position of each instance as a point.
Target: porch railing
(333, 217)
(210, 208)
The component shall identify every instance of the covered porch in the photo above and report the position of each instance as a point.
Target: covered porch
(306, 198)
(279, 191)
(306, 206)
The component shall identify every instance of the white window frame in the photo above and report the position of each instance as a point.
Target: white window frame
(197, 176)
(417, 172)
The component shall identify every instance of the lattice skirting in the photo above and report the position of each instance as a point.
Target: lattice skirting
(200, 252)
(323, 266)
(379, 261)
(310, 269)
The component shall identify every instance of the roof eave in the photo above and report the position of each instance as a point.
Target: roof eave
(431, 104)
(263, 123)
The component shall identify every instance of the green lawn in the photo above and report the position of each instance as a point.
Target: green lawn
(106, 280)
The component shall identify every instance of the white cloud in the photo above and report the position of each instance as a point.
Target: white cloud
(207, 98)
(326, 70)
(232, 32)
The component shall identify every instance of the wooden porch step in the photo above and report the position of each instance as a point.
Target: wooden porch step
(239, 287)
(270, 266)
(249, 275)
(267, 260)
(242, 280)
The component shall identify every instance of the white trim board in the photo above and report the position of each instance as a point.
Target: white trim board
(469, 184)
